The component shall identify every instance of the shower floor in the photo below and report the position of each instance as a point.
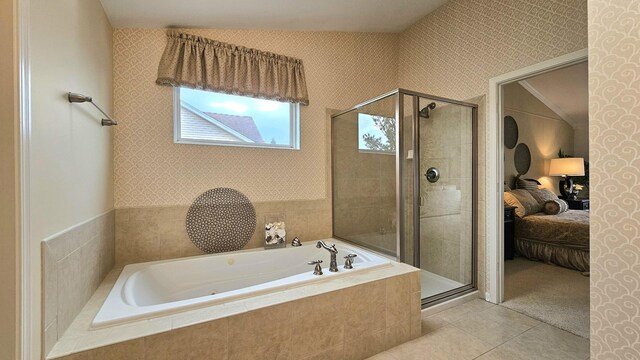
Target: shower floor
(433, 284)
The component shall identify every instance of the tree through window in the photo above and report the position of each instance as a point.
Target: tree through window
(376, 133)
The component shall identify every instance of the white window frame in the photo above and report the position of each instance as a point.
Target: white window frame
(294, 129)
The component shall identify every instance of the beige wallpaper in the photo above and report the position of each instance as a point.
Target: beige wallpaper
(342, 69)
(455, 50)
(614, 87)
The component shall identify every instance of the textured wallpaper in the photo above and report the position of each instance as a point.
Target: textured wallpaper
(342, 69)
(614, 87)
(455, 50)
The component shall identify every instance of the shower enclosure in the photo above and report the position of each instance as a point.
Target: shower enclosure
(404, 184)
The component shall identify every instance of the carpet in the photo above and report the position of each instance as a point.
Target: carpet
(551, 294)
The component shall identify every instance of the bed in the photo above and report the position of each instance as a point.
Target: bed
(561, 239)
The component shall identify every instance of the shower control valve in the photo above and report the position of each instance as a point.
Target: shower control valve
(348, 263)
(318, 268)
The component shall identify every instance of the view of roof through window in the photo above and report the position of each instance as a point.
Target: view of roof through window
(220, 117)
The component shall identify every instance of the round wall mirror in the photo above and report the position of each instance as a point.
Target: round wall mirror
(522, 158)
(510, 132)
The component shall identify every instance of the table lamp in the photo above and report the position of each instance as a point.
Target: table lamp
(566, 167)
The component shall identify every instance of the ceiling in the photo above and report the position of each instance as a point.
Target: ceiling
(311, 15)
(565, 91)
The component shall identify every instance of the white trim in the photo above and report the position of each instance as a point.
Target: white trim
(28, 323)
(550, 104)
(514, 110)
(495, 168)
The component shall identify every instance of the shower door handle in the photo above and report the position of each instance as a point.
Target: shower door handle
(432, 174)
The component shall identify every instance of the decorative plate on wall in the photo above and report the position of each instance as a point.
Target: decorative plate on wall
(220, 220)
(510, 132)
(522, 158)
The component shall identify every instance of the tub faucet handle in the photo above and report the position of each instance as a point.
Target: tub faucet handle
(296, 242)
(318, 268)
(348, 263)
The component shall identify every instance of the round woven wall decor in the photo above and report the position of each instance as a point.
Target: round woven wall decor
(220, 220)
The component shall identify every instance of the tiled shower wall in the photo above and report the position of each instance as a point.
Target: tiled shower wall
(74, 263)
(446, 206)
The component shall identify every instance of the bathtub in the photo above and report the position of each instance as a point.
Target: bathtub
(158, 288)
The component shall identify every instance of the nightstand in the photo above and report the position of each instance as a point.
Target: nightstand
(509, 232)
(580, 204)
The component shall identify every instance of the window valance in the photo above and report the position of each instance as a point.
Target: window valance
(200, 63)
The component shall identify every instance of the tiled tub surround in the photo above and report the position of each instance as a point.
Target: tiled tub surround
(159, 232)
(74, 263)
(152, 289)
(351, 317)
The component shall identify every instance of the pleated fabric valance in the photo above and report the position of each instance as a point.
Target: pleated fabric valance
(199, 63)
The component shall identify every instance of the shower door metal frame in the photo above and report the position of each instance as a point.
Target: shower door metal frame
(399, 168)
(417, 173)
(400, 204)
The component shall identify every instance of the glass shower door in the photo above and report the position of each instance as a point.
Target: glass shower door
(444, 195)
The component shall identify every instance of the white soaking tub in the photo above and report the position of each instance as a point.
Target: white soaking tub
(164, 287)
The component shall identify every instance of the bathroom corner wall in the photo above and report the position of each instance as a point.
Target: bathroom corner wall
(74, 263)
(70, 158)
(469, 42)
(156, 179)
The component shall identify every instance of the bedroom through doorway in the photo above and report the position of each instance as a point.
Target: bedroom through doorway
(545, 126)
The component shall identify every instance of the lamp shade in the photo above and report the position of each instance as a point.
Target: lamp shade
(566, 166)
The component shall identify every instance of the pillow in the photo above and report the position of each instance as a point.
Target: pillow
(530, 204)
(523, 201)
(526, 184)
(510, 200)
(555, 207)
(543, 195)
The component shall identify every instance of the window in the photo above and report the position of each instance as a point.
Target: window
(376, 134)
(209, 118)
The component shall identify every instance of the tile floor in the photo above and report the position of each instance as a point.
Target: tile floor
(484, 331)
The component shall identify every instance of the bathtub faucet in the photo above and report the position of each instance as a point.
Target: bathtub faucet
(333, 265)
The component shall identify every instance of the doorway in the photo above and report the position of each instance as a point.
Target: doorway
(495, 155)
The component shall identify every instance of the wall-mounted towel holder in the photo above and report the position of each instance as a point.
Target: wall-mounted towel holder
(78, 98)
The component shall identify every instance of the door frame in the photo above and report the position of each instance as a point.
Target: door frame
(494, 233)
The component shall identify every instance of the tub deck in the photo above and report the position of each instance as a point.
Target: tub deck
(80, 337)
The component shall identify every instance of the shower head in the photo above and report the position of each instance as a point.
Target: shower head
(425, 110)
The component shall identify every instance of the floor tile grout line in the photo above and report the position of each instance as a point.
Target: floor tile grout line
(494, 346)
(522, 333)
